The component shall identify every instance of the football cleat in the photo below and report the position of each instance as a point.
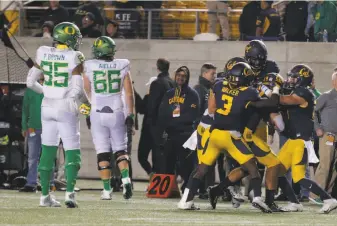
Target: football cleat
(70, 200)
(187, 205)
(236, 193)
(235, 203)
(106, 195)
(328, 206)
(292, 207)
(259, 204)
(274, 207)
(49, 201)
(127, 188)
(212, 196)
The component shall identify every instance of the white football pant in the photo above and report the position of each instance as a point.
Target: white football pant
(60, 120)
(108, 131)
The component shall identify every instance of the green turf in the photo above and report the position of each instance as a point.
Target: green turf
(22, 208)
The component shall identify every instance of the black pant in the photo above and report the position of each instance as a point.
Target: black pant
(144, 147)
(177, 160)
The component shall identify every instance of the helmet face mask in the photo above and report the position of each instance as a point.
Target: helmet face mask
(240, 74)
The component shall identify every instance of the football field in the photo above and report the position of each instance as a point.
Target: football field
(22, 209)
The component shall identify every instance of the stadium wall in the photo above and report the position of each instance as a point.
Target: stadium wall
(144, 53)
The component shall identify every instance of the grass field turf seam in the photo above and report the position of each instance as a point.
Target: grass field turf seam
(22, 209)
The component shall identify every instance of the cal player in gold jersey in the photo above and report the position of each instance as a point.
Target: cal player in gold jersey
(232, 101)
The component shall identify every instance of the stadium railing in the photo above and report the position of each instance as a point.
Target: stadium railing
(151, 23)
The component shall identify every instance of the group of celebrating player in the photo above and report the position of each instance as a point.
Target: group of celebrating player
(105, 88)
(251, 90)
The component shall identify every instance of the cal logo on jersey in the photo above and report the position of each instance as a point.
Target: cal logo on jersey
(176, 99)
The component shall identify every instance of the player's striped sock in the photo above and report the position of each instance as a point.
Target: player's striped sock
(106, 184)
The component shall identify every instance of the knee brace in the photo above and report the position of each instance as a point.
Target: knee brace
(104, 157)
(121, 156)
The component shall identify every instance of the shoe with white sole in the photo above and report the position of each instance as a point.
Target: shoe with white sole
(259, 204)
(328, 206)
(49, 201)
(127, 188)
(292, 207)
(235, 191)
(106, 195)
(70, 200)
(187, 205)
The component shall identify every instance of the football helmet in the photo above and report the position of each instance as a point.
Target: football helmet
(68, 34)
(256, 54)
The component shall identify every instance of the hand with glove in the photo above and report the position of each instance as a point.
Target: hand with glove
(85, 109)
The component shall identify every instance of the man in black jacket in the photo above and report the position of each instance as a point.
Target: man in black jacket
(206, 80)
(177, 116)
(157, 90)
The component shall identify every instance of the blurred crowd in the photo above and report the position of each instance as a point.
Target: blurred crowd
(268, 20)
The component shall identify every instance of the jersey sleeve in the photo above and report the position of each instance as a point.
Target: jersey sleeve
(125, 67)
(217, 87)
(79, 58)
(39, 55)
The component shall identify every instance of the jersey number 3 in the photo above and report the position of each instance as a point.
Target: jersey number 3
(107, 81)
(228, 102)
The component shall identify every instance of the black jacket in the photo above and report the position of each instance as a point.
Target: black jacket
(188, 101)
(84, 9)
(202, 89)
(90, 32)
(57, 16)
(157, 90)
(248, 17)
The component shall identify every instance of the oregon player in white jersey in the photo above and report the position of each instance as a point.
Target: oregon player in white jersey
(62, 87)
(104, 80)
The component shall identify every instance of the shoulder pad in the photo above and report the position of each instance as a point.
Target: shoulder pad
(303, 92)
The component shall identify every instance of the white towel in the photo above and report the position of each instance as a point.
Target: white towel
(191, 143)
(312, 158)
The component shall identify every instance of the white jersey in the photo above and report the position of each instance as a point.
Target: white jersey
(57, 66)
(107, 79)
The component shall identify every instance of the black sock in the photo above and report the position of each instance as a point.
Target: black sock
(269, 196)
(256, 186)
(219, 189)
(314, 188)
(287, 189)
(193, 185)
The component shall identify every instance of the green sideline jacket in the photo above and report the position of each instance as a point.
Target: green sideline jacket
(31, 110)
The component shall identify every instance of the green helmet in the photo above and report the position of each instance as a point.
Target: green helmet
(103, 46)
(68, 34)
